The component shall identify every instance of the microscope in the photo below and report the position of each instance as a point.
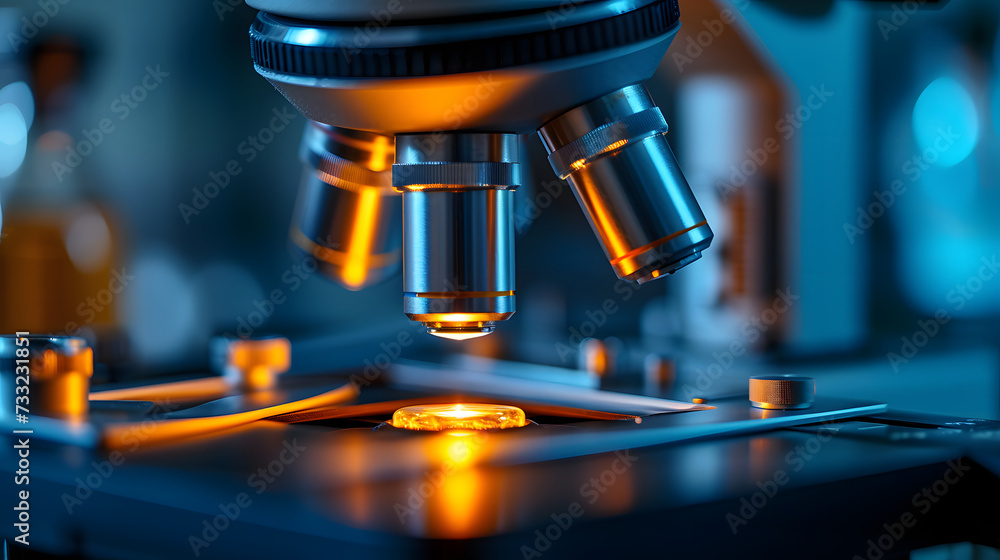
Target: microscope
(417, 110)
(423, 106)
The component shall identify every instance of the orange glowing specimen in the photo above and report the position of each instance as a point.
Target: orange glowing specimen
(465, 416)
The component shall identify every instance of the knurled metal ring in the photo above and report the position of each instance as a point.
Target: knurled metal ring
(462, 173)
(350, 175)
(583, 150)
(782, 391)
(270, 50)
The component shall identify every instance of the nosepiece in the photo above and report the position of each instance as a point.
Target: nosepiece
(458, 230)
(616, 158)
(496, 65)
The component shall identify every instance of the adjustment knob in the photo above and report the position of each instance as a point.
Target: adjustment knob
(254, 364)
(56, 368)
(782, 392)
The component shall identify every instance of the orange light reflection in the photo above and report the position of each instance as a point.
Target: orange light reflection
(195, 389)
(122, 435)
(356, 268)
(607, 226)
(464, 504)
(380, 152)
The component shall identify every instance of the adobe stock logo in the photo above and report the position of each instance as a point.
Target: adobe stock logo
(122, 106)
(696, 45)
(922, 502)
(591, 491)
(959, 297)
(914, 168)
(30, 26)
(900, 16)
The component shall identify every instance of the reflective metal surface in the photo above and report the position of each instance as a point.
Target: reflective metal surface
(347, 214)
(492, 24)
(45, 376)
(497, 68)
(364, 9)
(782, 392)
(512, 97)
(458, 272)
(518, 99)
(254, 364)
(614, 154)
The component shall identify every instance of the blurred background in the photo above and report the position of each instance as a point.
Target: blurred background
(845, 153)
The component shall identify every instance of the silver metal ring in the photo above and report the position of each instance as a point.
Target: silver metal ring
(493, 174)
(607, 138)
(370, 24)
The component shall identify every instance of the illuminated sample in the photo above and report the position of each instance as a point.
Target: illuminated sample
(464, 416)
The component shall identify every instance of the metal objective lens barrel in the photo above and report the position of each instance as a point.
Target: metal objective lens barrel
(458, 229)
(348, 215)
(616, 158)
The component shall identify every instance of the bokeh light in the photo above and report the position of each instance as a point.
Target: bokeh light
(19, 94)
(13, 139)
(953, 273)
(161, 308)
(88, 241)
(945, 122)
